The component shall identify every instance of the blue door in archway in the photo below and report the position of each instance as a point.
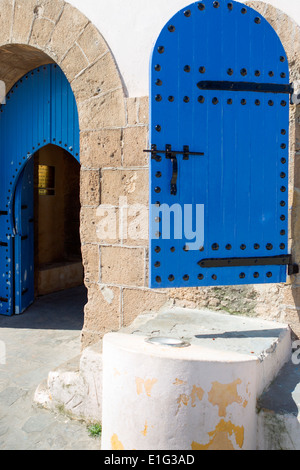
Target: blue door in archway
(24, 239)
(219, 134)
(40, 109)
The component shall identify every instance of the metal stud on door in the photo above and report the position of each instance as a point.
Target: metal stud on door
(219, 138)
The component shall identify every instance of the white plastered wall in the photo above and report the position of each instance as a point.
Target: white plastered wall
(130, 28)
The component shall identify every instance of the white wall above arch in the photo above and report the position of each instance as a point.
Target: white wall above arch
(131, 27)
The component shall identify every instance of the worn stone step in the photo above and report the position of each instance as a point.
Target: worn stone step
(75, 387)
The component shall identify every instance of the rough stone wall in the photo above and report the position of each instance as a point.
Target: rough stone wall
(118, 291)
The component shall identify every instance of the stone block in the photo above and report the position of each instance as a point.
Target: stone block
(139, 301)
(5, 21)
(71, 23)
(104, 111)
(135, 226)
(22, 20)
(132, 111)
(50, 9)
(41, 32)
(291, 296)
(88, 224)
(92, 43)
(58, 277)
(89, 337)
(135, 142)
(130, 184)
(90, 187)
(101, 149)
(103, 311)
(91, 263)
(74, 62)
(143, 111)
(122, 266)
(108, 225)
(97, 79)
(295, 224)
(296, 180)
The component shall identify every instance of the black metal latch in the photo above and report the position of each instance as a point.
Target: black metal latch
(172, 155)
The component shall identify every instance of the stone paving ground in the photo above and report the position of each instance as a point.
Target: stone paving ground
(32, 344)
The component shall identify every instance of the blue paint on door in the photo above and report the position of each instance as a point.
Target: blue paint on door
(24, 239)
(205, 70)
(40, 109)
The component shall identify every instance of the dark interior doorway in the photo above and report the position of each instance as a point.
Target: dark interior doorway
(57, 247)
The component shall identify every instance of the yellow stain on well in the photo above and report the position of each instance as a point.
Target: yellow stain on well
(178, 382)
(219, 438)
(115, 443)
(197, 393)
(183, 399)
(224, 395)
(145, 430)
(146, 385)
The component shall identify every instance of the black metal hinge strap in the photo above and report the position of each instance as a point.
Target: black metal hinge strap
(245, 86)
(231, 262)
(3, 244)
(3, 299)
(283, 260)
(3, 213)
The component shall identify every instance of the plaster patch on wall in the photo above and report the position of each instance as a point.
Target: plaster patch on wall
(146, 385)
(178, 382)
(115, 443)
(183, 399)
(144, 432)
(224, 395)
(130, 184)
(108, 294)
(220, 437)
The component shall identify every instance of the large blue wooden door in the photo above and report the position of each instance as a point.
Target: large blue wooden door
(40, 109)
(219, 137)
(24, 239)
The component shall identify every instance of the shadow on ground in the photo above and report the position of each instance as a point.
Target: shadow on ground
(59, 311)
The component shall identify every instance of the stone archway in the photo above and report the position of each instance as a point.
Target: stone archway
(39, 32)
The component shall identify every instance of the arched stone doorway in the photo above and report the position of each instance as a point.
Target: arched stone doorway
(33, 34)
(39, 118)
